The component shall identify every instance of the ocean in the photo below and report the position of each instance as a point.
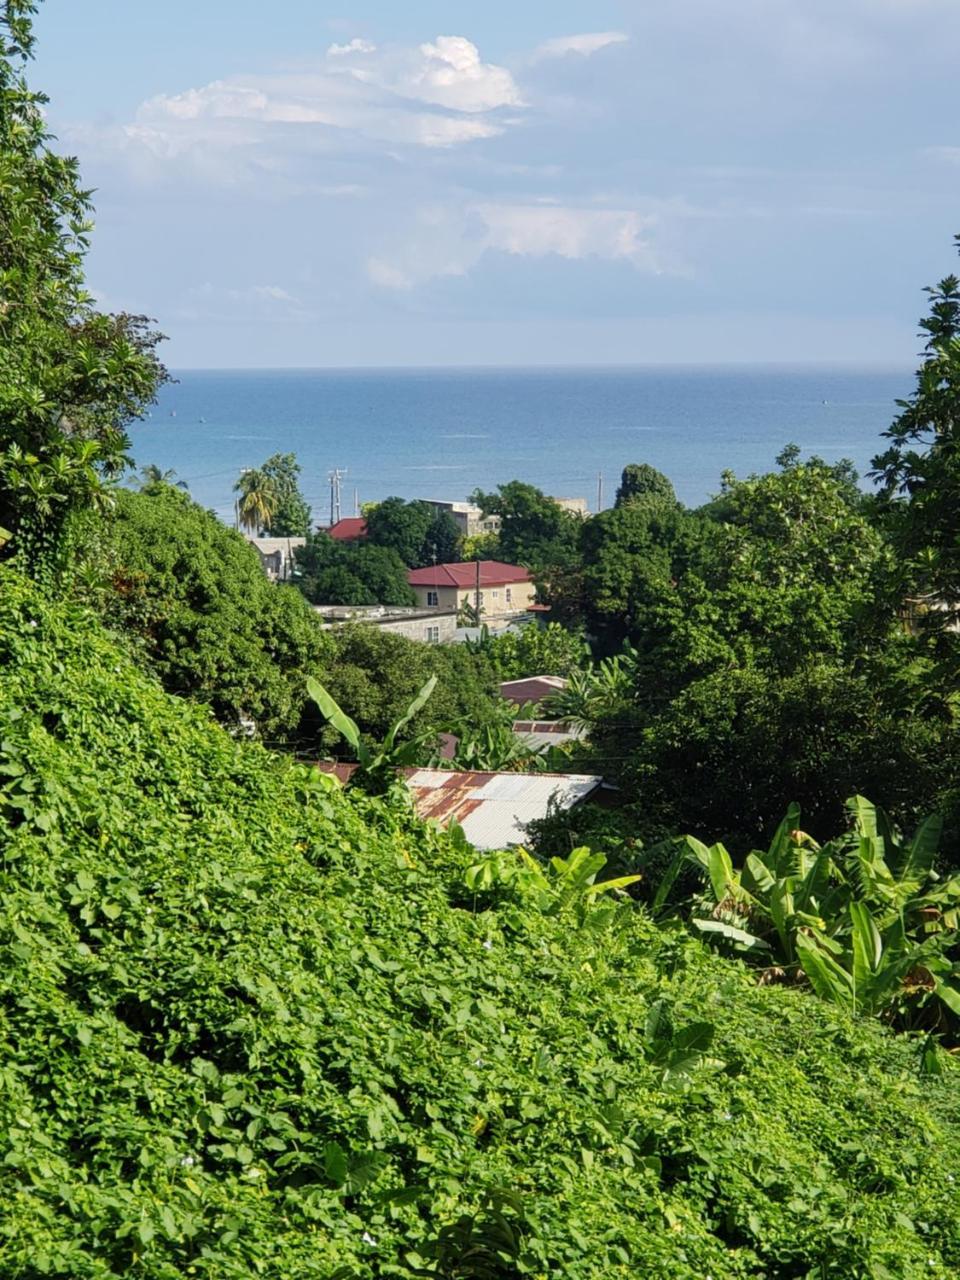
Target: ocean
(440, 433)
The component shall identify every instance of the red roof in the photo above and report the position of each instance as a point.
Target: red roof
(493, 573)
(349, 529)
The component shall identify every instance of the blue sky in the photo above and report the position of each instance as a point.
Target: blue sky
(538, 183)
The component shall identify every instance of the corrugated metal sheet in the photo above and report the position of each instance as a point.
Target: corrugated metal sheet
(494, 808)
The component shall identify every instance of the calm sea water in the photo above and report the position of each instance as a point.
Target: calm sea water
(440, 433)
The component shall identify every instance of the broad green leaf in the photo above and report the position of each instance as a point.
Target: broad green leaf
(720, 870)
(419, 702)
(829, 979)
(732, 934)
(331, 711)
(867, 944)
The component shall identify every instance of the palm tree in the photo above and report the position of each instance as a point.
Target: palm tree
(257, 501)
(153, 475)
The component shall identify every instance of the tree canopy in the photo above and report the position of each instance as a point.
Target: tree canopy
(419, 533)
(362, 574)
(640, 481)
(290, 516)
(206, 618)
(920, 470)
(535, 531)
(71, 379)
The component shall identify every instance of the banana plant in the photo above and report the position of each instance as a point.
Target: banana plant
(380, 761)
(864, 918)
(561, 885)
(760, 907)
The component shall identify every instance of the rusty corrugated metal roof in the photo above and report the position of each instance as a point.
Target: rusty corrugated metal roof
(492, 808)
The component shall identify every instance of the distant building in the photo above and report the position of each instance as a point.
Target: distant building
(276, 556)
(576, 506)
(504, 589)
(429, 626)
(349, 529)
(468, 518)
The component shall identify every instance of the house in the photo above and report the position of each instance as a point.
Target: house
(276, 556)
(492, 808)
(349, 529)
(503, 589)
(468, 518)
(533, 689)
(430, 626)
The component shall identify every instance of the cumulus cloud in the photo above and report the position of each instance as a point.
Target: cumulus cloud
(439, 95)
(588, 43)
(451, 242)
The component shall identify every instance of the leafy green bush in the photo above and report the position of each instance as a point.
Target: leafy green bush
(253, 1027)
(208, 621)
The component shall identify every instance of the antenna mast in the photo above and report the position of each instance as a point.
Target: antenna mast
(335, 477)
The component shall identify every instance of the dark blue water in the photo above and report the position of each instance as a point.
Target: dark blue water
(441, 433)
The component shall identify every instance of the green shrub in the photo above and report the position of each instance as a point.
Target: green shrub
(253, 1027)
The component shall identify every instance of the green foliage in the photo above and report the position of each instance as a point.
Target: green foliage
(378, 764)
(534, 530)
(362, 574)
(920, 471)
(532, 650)
(256, 500)
(642, 483)
(290, 514)
(494, 745)
(208, 622)
(255, 1027)
(71, 379)
(723, 754)
(377, 675)
(418, 533)
(595, 691)
(864, 918)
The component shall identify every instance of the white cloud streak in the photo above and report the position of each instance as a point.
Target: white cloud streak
(584, 45)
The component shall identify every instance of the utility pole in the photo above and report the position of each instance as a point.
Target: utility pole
(356, 502)
(476, 595)
(599, 492)
(335, 478)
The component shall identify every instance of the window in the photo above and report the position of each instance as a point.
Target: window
(495, 595)
(509, 594)
(433, 599)
(433, 635)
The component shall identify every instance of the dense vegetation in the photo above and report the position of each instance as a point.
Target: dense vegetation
(255, 1027)
(254, 1024)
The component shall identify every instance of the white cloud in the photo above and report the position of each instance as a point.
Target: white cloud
(355, 46)
(588, 43)
(539, 230)
(452, 74)
(451, 242)
(439, 95)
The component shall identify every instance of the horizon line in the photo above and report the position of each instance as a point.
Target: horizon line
(865, 365)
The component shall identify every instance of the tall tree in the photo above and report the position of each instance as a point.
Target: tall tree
(257, 499)
(365, 574)
(290, 516)
(71, 378)
(535, 531)
(639, 481)
(920, 471)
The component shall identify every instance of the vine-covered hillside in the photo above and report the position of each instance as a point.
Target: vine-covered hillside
(254, 1028)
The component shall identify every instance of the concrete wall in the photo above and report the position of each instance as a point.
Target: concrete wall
(430, 626)
(495, 602)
